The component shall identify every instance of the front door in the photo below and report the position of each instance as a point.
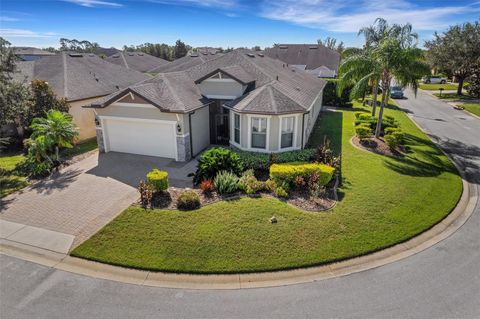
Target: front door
(222, 133)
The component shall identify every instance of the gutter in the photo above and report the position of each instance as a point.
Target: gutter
(190, 131)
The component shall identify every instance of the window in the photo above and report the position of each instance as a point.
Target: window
(259, 132)
(287, 132)
(236, 128)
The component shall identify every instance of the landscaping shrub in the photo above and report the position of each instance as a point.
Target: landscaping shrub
(215, 160)
(158, 179)
(281, 192)
(331, 98)
(188, 200)
(249, 183)
(207, 185)
(391, 141)
(226, 182)
(262, 161)
(363, 131)
(299, 181)
(359, 114)
(146, 194)
(390, 130)
(270, 185)
(287, 173)
(32, 168)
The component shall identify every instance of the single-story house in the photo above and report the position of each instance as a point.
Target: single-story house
(138, 61)
(80, 79)
(316, 59)
(30, 53)
(242, 98)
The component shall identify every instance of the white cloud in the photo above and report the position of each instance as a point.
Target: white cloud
(96, 3)
(350, 16)
(23, 33)
(200, 3)
(8, 19)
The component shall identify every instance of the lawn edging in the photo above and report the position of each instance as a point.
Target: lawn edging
(434, 235)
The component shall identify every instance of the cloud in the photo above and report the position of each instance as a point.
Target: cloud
(350, 16)
(96, 3)
(8, 19)
(23, 33)
(200, 3)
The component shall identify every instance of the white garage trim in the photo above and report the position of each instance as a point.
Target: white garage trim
(139, 120)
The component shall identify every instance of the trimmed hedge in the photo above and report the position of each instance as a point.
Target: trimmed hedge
(158, 179)
(188, 200)
(363, 131)
(286, 173)
(262, 161)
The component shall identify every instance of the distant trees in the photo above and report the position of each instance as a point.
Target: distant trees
(161, 50)
(331, 43)
(82, 46)
(456, 51)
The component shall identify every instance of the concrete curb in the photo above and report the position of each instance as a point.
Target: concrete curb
(451, 223)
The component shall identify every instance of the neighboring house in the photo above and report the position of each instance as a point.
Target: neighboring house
(81, 79)
(190, 60)
(138, 61)
(30, 54)
(106, 52)
(313, 58)
(242, 98)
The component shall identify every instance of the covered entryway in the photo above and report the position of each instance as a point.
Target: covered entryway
(140, 136)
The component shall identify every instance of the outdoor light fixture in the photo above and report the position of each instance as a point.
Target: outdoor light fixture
(179, 128)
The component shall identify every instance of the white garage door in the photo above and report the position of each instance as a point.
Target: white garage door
(144, 137)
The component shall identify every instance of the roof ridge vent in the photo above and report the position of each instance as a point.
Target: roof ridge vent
(75, 55)
(313, 47)
(260, 55)
(251, 55)
(193, 55)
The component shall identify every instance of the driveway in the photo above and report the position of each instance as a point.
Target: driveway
(85, 196)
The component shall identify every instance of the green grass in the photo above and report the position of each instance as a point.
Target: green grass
(80, 148)
(384, 201)
(10, 181)
(472, 108)
(436, 87)
(453, 96)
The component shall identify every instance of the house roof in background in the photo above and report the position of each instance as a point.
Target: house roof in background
(277, 88)
(186, 62)
(31, 51)
(310, 55)
(106, 51)
(77, 76)
(138, 61)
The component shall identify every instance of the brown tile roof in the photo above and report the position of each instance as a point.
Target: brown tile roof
(138, 61)
(310, 55)
(78, 76)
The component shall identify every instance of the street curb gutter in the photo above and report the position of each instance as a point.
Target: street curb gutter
(464, 209)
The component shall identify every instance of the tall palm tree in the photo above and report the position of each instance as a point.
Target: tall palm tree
(57, 130)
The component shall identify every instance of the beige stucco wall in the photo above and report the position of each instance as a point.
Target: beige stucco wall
(200, 129)
(84, 118)
(221, 88)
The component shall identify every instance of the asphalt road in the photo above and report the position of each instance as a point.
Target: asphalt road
(440, 282)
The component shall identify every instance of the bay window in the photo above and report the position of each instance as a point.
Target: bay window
(236, 128)
(259, 132)
(287, 128)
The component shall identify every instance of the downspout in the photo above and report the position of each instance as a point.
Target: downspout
(303, 128)
(190, 131)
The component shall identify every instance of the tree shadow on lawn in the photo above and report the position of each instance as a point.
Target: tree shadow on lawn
(424, 162)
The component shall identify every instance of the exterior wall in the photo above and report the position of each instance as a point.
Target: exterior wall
(227, 89)
(84, 118)
(311, 118)
(200, 129)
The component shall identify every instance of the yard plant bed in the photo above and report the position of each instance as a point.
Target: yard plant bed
(384, 200)
(375, 145)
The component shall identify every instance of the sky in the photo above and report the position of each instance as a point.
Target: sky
(219, 23)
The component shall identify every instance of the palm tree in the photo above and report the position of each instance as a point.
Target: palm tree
(57, 130)
(399, 62)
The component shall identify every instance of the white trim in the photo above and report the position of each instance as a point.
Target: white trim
(267, 142)
(232, 131)
(133, 119)
(295, 126)
(134, 105)
(221, 80)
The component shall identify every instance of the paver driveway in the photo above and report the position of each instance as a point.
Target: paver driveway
(85, 196)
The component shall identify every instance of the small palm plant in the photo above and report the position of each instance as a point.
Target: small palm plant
(55, 131)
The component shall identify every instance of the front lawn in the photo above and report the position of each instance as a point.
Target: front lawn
(436, 87)
(10, 180)
(383, 201)
(453, 96)
(80, 148)
(472, 108)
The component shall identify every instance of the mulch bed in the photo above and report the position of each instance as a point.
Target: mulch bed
(375, 145)
(302, 199)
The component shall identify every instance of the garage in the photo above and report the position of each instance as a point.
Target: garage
(140, 136)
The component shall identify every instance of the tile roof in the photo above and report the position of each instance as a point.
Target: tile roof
(186, 62)
(311, 55)
(78, 76)
(138, 61)
(276, 89)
